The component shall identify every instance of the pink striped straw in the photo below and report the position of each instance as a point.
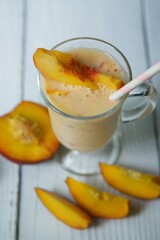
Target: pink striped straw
(136, 82)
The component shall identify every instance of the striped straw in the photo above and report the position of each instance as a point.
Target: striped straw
(136, 82)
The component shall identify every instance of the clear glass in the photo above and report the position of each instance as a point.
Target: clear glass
(92, 139)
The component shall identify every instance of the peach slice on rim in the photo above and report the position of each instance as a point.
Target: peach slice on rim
(89, 72)
(53, 68)
(62, 67)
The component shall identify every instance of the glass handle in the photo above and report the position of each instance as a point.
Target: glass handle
(140, 103)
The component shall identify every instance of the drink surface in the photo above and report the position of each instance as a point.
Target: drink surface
(82, 101)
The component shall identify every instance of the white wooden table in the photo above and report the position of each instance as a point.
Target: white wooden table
(132, 26)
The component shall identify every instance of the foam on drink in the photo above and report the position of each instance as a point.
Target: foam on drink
(82, 101)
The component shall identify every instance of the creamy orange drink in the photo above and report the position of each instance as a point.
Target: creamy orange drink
(81, 101)
(76, 78)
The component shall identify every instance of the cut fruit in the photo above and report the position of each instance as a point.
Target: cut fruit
(129, 181)
(65, 58)
(51, 67)
(96, 203)
(56, 92)
(64, 210)
(109, 81)
(90, 73)
(62, 67)
(26, 134)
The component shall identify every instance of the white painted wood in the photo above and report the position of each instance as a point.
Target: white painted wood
(10, 92)
(46, 23)
(118, 22)
(152, 18)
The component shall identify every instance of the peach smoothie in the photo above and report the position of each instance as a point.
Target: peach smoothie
(82, 132)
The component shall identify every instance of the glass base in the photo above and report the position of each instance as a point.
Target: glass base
(87, 163)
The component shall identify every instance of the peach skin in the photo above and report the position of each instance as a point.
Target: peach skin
(96, 203)
(26, 134)
(131, 182)
(64, 210)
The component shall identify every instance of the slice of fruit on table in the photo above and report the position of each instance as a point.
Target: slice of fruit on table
(96, 203)
(62, 67)
(26, 134)
(129, 181)
(64, 210)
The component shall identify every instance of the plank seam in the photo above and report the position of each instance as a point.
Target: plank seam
(18, 204)
(23, 47)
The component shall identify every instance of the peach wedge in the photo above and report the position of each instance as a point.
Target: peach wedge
(62, 67)
(52, 67)
(26, 134)
(131, 182)
(64, 210)
(96, 203)
(56, 92)
(90, 73)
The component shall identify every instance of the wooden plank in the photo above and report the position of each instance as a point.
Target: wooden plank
(10, 92)
(113, 21)
(151, 20)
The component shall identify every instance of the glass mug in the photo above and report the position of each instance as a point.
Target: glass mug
(88, 140)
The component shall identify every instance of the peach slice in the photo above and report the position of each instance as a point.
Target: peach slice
(108, 81)
(96, 203)
(52, 67)
(90, 73)
(64, 210)
(26, 134)
(62, 67)
(65, 58)
(56, 92)
(129, 181)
